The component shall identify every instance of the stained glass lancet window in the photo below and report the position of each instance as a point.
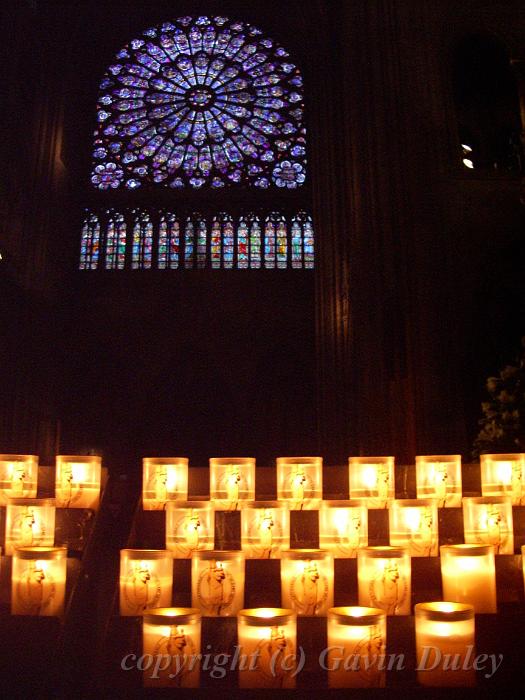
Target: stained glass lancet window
(200, 101)
(242, 245)
(169, 242)
(90, 243)
(142, 242)
(164, 240)
(116, 242)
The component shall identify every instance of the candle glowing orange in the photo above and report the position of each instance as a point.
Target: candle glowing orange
(503, 475)
(18, 477)
(146, 578)
(372, 478)
(439, 477)
(163, 479)
(444, 642)
(300, 482)
(356, 647)
(267, 646)
(265, 529)
(232, 481)
(77, 481)
(172, 638)
(343, 527)
(488, 520)
(38, 581)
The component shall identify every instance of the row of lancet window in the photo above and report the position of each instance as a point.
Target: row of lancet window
(141, 240)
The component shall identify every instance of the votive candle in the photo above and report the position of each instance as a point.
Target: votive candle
(445, 644)
(267, 639)
(18, 477)
(190, 527)
(217, 582)
(30, 522)
(77, 481)
(503, 475)
(384, 579)
(307, 581)
(439, 477)
(372, 478)
(38, 581)
(232, 481)
(146, 579)
(357, 647)
(265, 529)
(488, 520)
(172, 637)
(468, 575)
(413, 523)
(163, 479)
(300, 482)
(343, 527)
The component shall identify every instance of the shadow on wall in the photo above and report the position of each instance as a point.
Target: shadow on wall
(498, 323)
(218, 365)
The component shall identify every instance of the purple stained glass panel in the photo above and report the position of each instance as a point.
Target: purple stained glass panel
(196, 104)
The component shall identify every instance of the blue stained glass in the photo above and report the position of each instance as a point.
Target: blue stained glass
(201, 243)
(90, 243)
(308, 237)
(243, 242)
(174, 244)
(269, 244)
(227, 242)
(195, 80)
(216, 243)
(242, 245)
(297, 241)
(282, 244)
(189, 242)
(116, 242)
(141, 255)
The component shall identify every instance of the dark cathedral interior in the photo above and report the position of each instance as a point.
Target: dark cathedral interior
(398, 127)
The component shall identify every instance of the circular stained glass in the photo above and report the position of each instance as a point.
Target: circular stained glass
(197, 102)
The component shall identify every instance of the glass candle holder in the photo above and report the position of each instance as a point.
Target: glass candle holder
(217, 582)
(265, 529)
(267, 639)
(30, 522)
(163, 479)
(503, 475)
(372, 478)
(343, 527)
(77, 482)
(384, 579)
(468, 575)
(38, 581)
(190, 526)
(356, 647)
(146, 580)
(307, 581)
(445, 631)
(232, 481)
(439, 477)
(18, 477)
(488, 520)
(300, 482)
(414, 524)
(172, 638)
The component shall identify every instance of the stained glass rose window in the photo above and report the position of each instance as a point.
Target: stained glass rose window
(200, 102)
